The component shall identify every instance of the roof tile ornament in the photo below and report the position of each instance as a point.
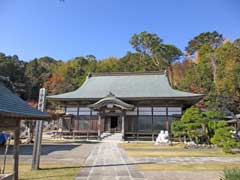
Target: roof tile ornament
(110, 94)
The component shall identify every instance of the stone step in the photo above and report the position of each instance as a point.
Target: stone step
(116, 137)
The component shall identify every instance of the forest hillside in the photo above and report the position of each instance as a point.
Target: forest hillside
(210, 64)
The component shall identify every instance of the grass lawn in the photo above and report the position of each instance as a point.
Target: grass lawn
(151, 150)
(188, 167)
(47, 171)
(147, 149)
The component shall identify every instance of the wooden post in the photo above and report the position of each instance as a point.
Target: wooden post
(78, 117)
(123, 126)
(168, 127)
(167, 120)
(108, 124)
(89, 120)
(38, 132)
(73, 135)
(16, 150)
(137, 121)
(152, 126)
(99, 126)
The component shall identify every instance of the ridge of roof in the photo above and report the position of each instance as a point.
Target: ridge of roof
(127, 73)
(12, 105)
(8, 83)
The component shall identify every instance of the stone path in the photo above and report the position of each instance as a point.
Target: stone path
(108, 162)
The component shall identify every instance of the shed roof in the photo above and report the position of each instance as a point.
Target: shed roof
(13, 106)
(125, 86)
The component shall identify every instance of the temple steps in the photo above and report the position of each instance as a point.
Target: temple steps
(112, 137)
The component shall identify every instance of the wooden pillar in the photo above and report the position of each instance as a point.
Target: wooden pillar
(137, 121)
(69, 124)
(152, 126)
(123, 126)
(167, 119)
(99, 126)
(73, 135)
(16, 150)
(168, 127)
(89, 120)
(37, 145)
(78, 118)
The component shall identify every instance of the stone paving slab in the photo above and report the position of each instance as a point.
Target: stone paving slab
(108, 162)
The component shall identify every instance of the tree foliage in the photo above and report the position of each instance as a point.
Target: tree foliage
(149, 45)
(38, 71)
(224, 136)
(215, 71)
(212, 39)
(194, 125)
(12, 67)
(210, 66)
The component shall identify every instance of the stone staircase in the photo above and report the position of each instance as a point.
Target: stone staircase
(111, 137)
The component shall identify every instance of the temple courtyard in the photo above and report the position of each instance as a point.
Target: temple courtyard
(123, 161)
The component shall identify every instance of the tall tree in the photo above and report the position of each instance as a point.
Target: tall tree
(110, 64)
(228, 76)
(166, 54)
(149, 45)
(38, 72)
(130, 63)
(212, 39)
(70, 75)
(12, 67)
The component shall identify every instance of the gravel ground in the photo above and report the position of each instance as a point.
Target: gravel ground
(54, 153)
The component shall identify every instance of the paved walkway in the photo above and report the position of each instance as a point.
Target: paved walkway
(108, 162)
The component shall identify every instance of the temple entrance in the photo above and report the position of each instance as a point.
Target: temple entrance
(112, 124)
(111, 111)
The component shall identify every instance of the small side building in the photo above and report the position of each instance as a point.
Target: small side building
(138, 105)
(12, 110)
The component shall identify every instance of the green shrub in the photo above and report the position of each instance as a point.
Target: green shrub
(224, 137)
(229, 145)
(231, 174)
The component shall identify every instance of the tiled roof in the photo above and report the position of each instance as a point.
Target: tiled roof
(13, 106)
(125, 86)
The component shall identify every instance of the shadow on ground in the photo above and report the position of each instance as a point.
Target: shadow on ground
(59, 168)
(122, 164)
(46, 149)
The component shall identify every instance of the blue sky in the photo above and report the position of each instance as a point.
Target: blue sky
(63, 30)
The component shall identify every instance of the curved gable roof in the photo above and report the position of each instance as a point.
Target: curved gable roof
(111, 99)
(125, 86)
